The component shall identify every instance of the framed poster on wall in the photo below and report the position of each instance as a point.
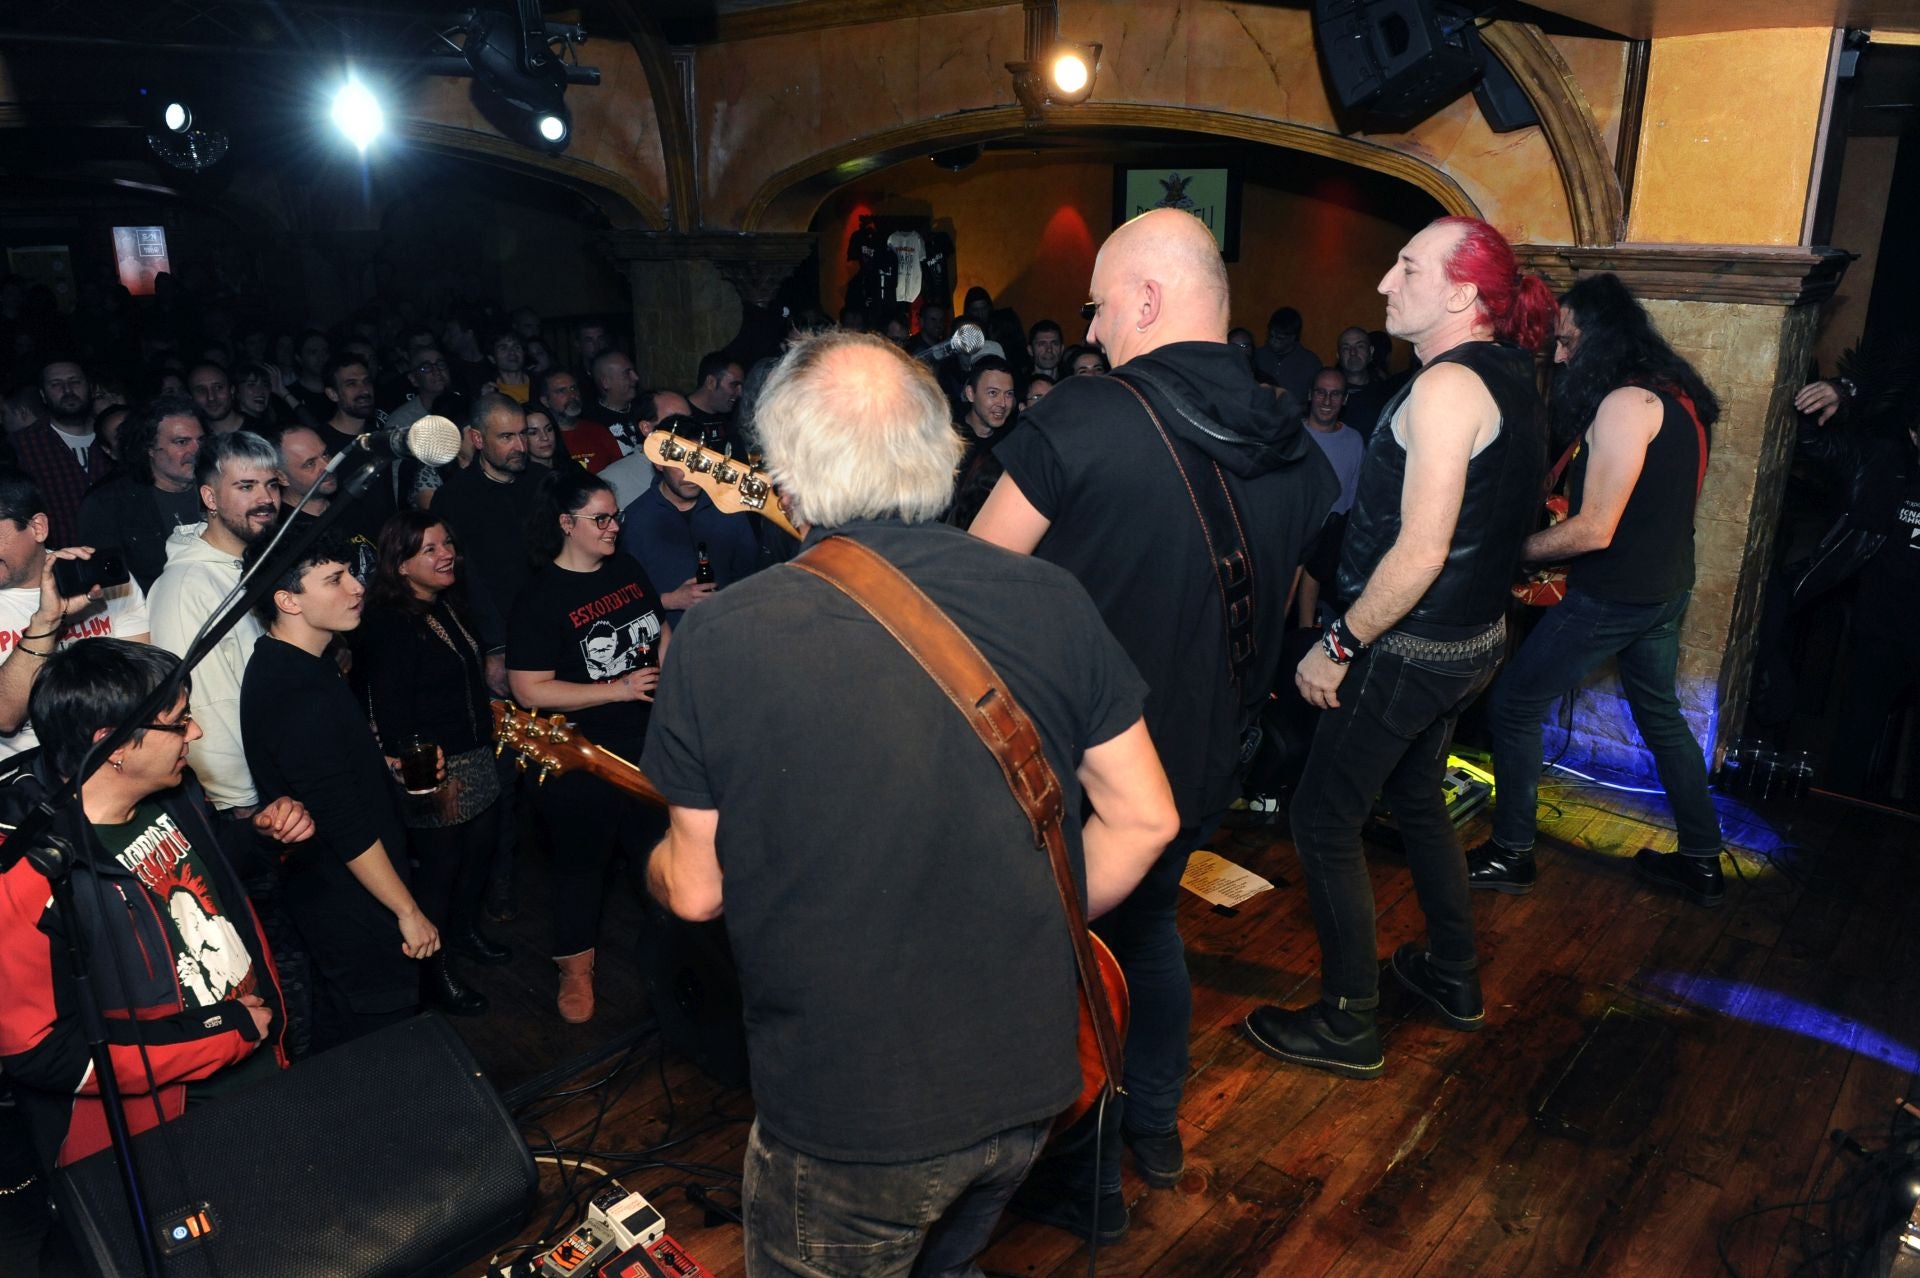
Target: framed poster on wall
(1212, 195)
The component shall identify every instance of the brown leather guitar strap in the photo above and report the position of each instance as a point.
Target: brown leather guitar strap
(940, 646)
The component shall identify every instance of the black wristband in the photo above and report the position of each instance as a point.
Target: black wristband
(1338, 641)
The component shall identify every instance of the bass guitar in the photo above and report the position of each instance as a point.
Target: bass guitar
(550, 748)
(736, 487)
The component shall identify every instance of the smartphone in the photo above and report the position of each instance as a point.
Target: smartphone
(75, 577)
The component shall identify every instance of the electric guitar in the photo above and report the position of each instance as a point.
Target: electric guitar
(553, 749)
(736, 487)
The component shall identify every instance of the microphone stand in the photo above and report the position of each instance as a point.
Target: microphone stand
(55, 855)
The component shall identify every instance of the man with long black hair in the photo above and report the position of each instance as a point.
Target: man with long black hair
(1628, 542)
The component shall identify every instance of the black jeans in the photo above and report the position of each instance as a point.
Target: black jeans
(454, 861)
(811, 1217)
(588, 823)
(1388, 736)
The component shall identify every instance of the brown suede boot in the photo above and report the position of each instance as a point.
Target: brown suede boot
(576, 987)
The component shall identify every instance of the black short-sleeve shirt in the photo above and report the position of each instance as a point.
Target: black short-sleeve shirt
(590, 627)
(907, 972)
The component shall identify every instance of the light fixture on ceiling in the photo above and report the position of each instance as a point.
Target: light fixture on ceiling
(357, 113)
(522, 81)
(177, 117)
(1062, 76)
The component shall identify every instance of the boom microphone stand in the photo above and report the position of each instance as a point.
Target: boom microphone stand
(55, 855)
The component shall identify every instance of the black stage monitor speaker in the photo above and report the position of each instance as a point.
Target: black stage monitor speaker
(390, 1155)
(1398, 59)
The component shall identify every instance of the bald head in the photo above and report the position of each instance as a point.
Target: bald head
(1158, 279)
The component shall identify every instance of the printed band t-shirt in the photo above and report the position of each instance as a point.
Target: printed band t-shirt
(209, 958)
(591, 627)
(119, 613)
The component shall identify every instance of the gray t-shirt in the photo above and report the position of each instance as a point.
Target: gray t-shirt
(1345, 449)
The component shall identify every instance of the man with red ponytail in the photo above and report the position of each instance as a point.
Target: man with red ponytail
(1447, 495)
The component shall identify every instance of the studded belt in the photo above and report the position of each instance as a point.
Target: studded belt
(1402, 644)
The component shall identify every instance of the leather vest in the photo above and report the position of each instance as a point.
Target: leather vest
(1500, 508)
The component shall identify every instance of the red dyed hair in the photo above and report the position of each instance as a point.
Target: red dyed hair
(1521, 307)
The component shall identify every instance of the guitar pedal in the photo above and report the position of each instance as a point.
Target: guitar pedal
(626, 1217)
(577, 1255)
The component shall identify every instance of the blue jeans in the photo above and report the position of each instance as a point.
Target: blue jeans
(1573, 638)
(810, 1217)
(1388, 737)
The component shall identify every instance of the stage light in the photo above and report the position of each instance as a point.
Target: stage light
(357, 113)
(177, 117)
(552, 128)
(1070, 74)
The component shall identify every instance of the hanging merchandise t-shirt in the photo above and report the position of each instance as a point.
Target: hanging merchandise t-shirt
(209, 957)
(910, 251)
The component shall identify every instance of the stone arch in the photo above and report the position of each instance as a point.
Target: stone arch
(619, 197)
(787, 200)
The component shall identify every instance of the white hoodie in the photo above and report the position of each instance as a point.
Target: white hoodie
(196, 579)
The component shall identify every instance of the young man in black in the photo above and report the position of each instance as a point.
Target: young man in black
(307, 738)
(720, 377)
(139, 510)
(1448, 490)
(1091, 485)
(888, 891)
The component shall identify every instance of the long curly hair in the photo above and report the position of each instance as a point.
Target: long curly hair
(1618, 346)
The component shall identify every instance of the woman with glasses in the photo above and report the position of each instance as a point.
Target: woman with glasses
(585, 640)
(424, 674)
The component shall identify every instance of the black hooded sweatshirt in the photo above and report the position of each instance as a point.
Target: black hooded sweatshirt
(1088, 458)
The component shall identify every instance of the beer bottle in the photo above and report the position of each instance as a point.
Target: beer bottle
(703, 570)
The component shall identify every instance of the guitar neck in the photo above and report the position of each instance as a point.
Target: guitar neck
(616, 771)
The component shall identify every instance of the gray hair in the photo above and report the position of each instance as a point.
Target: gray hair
(241, 448)
(855, 428)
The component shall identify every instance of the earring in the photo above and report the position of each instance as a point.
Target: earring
(114, 764)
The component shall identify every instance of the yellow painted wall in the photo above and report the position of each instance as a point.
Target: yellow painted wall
(1727, 139)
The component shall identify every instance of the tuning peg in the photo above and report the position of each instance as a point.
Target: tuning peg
(545, 772)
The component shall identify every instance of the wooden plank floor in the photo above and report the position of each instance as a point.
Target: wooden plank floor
(1649, 1070)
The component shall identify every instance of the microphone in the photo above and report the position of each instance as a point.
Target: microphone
(432, 440)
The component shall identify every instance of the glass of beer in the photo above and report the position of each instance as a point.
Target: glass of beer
(419, 766)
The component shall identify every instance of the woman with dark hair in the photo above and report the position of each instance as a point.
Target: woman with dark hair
(425, 681)
(585, 640)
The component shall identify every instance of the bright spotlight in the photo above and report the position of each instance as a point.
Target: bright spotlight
(177, 118)
(1069, 74)
(357, 113)
(552, 128)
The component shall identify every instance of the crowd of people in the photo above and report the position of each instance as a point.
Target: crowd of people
(1127, 529)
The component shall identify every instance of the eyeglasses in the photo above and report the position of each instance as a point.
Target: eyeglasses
(431, 366)
(180, 725)
(1090, 310)
(603, 521)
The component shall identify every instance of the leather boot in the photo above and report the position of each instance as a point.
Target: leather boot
(1698, 878)
(472, 943)
(1302, 1036)
(1455, 995)
(576, 987)
(1500, 869)
(444, 992)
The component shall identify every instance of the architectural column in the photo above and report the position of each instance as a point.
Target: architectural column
(691, 292)
(1746, 318)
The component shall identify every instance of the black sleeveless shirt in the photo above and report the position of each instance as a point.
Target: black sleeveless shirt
(1651, 558)
(1498, 510)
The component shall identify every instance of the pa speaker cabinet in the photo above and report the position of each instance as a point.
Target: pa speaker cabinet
(388, 1157)
(1398, 59)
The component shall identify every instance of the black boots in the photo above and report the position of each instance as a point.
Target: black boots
(474, 944)
(442, 991)
(1455, 995)
(1695, 877)
(1499, 869)
(1303, 1036)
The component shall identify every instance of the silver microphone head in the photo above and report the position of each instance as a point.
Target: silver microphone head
(433, 440)
(967, 340)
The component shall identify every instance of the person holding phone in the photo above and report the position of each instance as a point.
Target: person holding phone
(50, 599)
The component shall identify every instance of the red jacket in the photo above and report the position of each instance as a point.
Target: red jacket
(43, 1048)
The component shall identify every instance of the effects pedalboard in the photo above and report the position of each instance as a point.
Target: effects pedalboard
(623, 1236)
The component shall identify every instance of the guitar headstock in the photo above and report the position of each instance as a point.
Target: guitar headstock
(545, 745)
(736, 487)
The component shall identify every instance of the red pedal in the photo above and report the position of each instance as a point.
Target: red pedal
(674, 1260)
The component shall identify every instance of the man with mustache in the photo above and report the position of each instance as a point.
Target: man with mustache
(61, 454)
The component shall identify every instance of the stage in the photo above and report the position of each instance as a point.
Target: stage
(1649, 1069)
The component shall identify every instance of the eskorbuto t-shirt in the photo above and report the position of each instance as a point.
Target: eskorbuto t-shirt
(590, 627)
